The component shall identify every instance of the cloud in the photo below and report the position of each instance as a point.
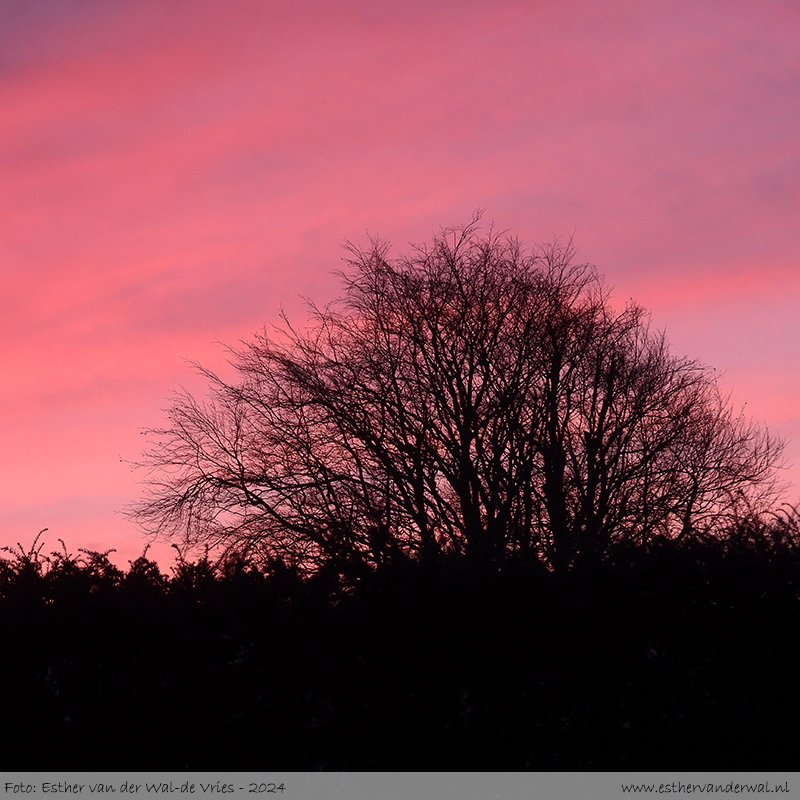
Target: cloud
(175, 172)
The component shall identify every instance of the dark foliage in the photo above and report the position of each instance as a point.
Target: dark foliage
(681, 656)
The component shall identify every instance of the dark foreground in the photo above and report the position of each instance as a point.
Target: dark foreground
(674, 661)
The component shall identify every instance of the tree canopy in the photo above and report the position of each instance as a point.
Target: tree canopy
(470, 398)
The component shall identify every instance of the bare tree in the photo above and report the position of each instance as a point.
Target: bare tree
(468, 398)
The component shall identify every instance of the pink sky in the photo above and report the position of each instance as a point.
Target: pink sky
(175, 172)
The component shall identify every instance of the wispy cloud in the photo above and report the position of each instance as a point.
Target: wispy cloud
(173, 173)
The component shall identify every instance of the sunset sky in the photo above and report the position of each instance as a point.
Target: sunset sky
(173, 173)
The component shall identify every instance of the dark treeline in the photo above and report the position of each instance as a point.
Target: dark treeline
(680, 656)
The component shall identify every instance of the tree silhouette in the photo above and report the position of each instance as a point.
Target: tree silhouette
(469, 399)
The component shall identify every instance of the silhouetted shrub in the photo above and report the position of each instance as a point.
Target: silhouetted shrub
(664, 657)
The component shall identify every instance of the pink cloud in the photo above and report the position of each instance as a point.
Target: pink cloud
(175, 173)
